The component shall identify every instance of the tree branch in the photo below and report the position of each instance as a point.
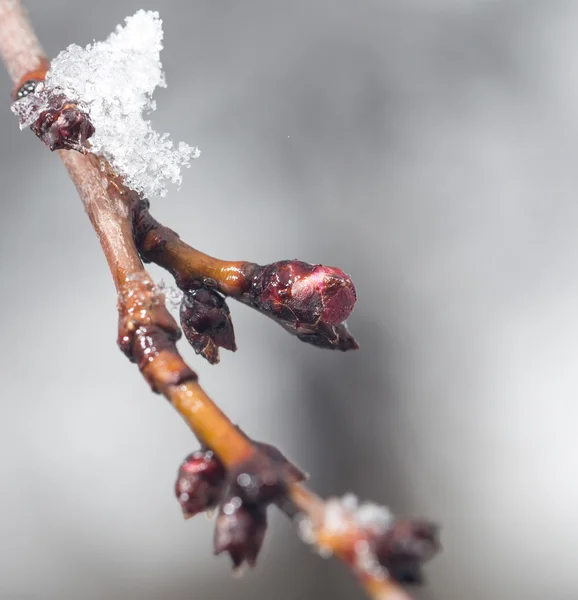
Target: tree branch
(20, 49)
(148, 336)
(311, 302)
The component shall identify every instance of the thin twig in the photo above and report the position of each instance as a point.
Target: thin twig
(163, 246)
(148, 333)
(20, 49)
(311, 302)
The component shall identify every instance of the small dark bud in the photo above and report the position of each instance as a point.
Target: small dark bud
(404, 548)
(310, 301)
(240, 530)
(200, 482)
(276, 455)
(58, 122)
(63, 126)
(206, 323)
(260, 480)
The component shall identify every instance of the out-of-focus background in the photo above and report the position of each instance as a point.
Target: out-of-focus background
(428, 148)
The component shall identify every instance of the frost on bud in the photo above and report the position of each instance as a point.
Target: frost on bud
(240, 531)
(310, 301)
(206, 322)
(405, 546)
(200, 483)
(58, 122)
(27, 87)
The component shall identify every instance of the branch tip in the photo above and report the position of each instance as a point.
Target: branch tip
(232, 472)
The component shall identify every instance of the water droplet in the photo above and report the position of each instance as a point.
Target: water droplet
(244, 480)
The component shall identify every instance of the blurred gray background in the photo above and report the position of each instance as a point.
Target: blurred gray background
(428, 148)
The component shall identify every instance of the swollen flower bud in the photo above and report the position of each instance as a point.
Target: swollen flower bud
(310, 301)
(240, 530)
(200, 483)
(405, 546)
(307, 294)
(206, 322)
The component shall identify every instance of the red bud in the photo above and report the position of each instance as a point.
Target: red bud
(302, 293)
(310, 301)
(200, 482)
(329, 287)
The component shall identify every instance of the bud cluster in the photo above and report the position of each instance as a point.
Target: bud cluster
(241, 495)
(376, 542)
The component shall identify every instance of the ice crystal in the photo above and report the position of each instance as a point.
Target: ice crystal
(373, 517)
(114, 81)
(341, 514)
(306, 530)
(30, 106)
(173, 296)
(367, 516)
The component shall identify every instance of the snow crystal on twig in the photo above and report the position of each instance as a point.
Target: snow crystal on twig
(339, 512)
(371, 519)
(114, 81)
(173, 296)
